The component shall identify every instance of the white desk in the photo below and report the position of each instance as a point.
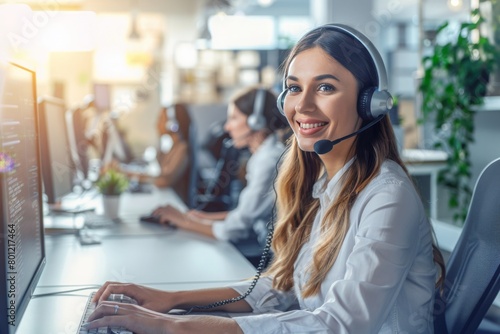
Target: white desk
(130, 251)
(424, 164)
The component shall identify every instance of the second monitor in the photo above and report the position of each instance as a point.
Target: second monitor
(58, 170)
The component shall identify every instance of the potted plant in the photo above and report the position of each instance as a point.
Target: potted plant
(111, 184)
(455, 79)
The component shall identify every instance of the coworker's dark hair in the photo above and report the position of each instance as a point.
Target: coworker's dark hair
(183, 118)
(245, 101)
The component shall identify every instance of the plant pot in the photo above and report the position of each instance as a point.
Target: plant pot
(111, 206)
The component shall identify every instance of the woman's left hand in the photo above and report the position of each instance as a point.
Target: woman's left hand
(143, 321)
(133, 317)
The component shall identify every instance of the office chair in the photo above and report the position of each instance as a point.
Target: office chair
(473, 269)
(193, 167)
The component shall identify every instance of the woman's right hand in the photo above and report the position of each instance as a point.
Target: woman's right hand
(152, 299)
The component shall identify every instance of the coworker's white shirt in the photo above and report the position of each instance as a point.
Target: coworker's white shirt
(257, 198)
(382, 281)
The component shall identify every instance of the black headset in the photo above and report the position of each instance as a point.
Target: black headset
(172, 123)
(373, 102)
(257, 121)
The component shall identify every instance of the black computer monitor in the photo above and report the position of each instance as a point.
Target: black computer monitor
(75, 122)
(58, 171)
(22, 252)
(114, 145)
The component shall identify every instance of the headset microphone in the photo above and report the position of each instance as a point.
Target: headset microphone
(324, 146)
(230, 142)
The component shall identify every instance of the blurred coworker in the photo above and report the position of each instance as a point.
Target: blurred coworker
(253, 122)
(173, 125)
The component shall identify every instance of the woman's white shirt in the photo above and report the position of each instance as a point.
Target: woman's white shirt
(257, 198)
(384, 276)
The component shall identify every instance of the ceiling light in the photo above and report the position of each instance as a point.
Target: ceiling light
(455, 5)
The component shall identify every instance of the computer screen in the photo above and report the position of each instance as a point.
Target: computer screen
(22, 252)
(79, 144)
(58, 169)
(114, 145)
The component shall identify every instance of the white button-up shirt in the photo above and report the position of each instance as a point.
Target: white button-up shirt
(382, 281)
(256, 200)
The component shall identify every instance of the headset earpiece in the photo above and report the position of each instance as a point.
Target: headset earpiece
(172, 124)
(280, 101)
(373, 102)
(256, 121)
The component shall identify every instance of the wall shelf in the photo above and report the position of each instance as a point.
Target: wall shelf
(491, 103)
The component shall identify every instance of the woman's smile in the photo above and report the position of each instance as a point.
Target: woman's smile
(308, 128)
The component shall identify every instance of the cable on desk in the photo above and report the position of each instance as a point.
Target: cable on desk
(63, 292)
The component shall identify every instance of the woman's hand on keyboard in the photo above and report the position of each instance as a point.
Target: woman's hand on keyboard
(152, 299)
(143, 321)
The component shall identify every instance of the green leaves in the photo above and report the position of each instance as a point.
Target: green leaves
(455, 81)
(112, 183)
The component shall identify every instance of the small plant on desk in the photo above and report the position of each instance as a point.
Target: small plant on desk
(112, 183)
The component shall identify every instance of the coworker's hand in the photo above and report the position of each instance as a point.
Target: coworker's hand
(170, 214)
(152, 299)
(133, 317)
(196, 214)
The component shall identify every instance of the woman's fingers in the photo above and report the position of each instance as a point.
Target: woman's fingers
(132, 317)
(103, 289)
(109, 288)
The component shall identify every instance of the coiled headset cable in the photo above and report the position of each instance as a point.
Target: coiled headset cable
(265, 257)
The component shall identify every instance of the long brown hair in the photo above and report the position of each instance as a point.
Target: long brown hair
(296, 208)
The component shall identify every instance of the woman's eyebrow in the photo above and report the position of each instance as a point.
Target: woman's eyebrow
(316, 78)
(326, 76)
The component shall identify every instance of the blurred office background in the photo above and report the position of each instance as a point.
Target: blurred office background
(136, 56)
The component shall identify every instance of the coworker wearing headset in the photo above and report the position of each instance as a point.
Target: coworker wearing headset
(173, 129)
(253, 122)
(353, 246)
(172, 126)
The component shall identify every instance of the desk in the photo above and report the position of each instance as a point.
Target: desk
(424, 166)
(130, 251)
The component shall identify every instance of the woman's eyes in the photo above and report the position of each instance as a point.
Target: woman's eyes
(326, 88)
(321, 88)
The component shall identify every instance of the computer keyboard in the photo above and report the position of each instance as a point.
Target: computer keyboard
(90, 307)
(93, 220)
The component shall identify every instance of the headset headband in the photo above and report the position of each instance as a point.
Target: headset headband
(377, 59)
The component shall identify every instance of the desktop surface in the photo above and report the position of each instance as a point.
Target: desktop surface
(148, 255)
(129, 251)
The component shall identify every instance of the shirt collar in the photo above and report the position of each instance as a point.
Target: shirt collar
(322, 187)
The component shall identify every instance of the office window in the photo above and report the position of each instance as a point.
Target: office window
(242, 32)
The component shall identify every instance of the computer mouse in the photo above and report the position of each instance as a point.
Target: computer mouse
(121, 298)
(150, 219)
(155, 220)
